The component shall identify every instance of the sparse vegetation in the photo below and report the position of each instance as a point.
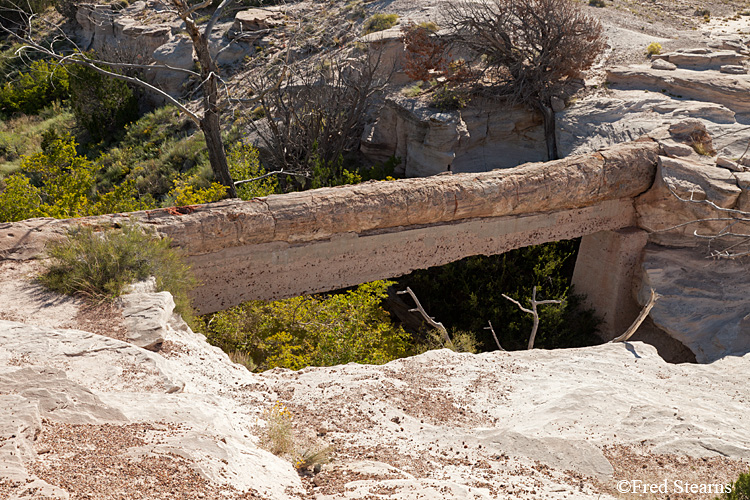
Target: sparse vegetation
(99, 265)
(278, 435)
(739, 490)
(413, 90)
(449, 99)
(653, 48)
(379, 22)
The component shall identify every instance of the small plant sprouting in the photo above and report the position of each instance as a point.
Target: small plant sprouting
(653, 49)
(313, 457)
(278, 437)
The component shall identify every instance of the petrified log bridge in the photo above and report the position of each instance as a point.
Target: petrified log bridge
(314, 241)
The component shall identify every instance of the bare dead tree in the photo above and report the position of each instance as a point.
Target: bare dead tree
(533, 311)
(23, 27)
(429, 319)
(317, 115)
(529, 48)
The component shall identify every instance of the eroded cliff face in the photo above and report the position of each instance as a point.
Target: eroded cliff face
(149, 33)
(486, 135)
(85, 414)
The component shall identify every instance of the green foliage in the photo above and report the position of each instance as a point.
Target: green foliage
(597, 3)
(466, 294)
(739, 490)
(380, 22)
(318, 330)
(244, 163)
(155, 152)
(102, 105)
(23, 134)
(99, 265)
(59, 183)
(31, 91)
(9, 7)
(335, 174)
(19, 200)
(64, 179)
(449, 99)
(185, 192)
(653, 48)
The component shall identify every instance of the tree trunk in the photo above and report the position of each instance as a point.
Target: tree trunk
(217, 156)
(210, 124)
(549, 130)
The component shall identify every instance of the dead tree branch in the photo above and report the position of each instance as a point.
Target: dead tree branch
(435, 324)
(268, 174)
(732, 217)
(640, 319)
(534, 312)
(494, 335)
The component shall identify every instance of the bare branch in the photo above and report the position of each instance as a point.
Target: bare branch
(519, 304)
(534, 312)
(199, 6)
(435, 324)
(494, 335)
(731, 216)
(269, 174)
(215, 17)
(640, 319)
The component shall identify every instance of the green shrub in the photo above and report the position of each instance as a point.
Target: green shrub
(23, 135)
(739, 490)
(318, 330)
(31, 91)
(58, 182)
(380, 22)
(99, 265)
(597, 3)
(449, 99)
(102, 105)
(244, 163)
(653, 49)
(156, 152)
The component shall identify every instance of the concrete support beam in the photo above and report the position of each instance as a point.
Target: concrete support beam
(604, 272)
